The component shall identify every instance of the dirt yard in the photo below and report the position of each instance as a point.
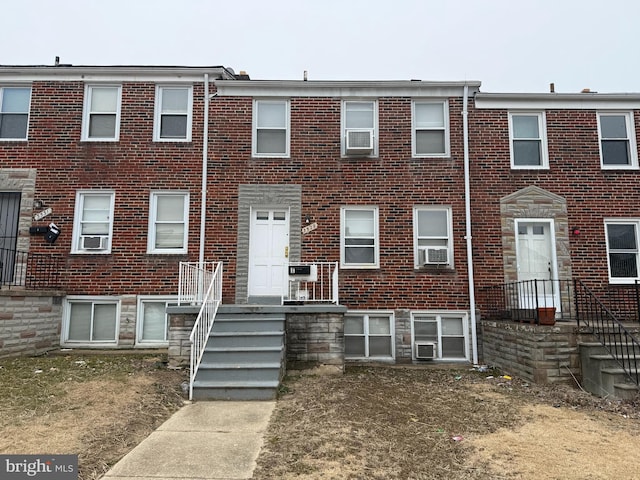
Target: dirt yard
(369, 423)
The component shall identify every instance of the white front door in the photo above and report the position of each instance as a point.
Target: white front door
(536, 261)
(268, 251)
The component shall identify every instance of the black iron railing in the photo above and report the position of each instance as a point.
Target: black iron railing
(29, 270)
(592, 313)
(528, 301)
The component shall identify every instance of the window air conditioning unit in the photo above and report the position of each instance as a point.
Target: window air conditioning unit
(435, 256)
(359, 142)
(426, 350)
(94, 243)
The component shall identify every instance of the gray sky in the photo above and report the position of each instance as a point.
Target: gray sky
(509, 45)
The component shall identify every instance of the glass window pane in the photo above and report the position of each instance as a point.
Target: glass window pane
(173, 126)
(272, 115)
(13, 125)
(453, 347)
(622, 236)
(104, 322)
(154, 321)
(452, 326)
(429, 115)
(525, 126)
(615, 152)
(354, 346)
(379, 346)
(262, 215)
(359, 115)
(95, 229)
(430, 141)
(272, 141)
(102, 126)
(104, 99)
(526, 152)
(379, 326)
(359, 223)
(175, 100)
(169, 235)
(353, 325)
(613, 126)
(15, 100)
(623, 265)
(170, 208)
(280, 216)
(432, 223)
(359, 255)
(80, 321)
(425, 328)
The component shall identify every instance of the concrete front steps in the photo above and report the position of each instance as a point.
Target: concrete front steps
(602, 374)
(244, 356)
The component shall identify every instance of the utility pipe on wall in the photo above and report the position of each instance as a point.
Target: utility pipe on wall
(468, 237)
(205, 148)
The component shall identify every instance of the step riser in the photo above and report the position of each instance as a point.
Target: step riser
(242, 357)
(248, 325)
(245, 341)
(238, 375)
(212, 393)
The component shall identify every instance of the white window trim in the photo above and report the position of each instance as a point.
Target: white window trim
(343, 127)
(140, 319)
(151, 237)
(414, 129)
(375, 313)
(77, 215)
(158, 113)
(622, 221)
(66, 314)
(254, 129)
(631, 138)
(30, 87)
(416, 246)
(86, 113)
(376, 232)
(439, 315)
(542, 129)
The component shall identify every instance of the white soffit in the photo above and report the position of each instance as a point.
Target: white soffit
(555, 101)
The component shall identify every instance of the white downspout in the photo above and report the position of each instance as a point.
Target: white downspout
(205, 147)
(468, 237)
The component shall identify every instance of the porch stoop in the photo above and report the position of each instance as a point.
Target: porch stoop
(245, 356)
(602, 375)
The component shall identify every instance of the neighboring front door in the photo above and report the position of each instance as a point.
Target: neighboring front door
(268, 252)
(9, 215)
(536, 261)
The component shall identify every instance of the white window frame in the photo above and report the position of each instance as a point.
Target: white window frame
(376, 238)
(374, 130)
(542, 138)
(76, 247)
(416, 238)
(286, 128)
(159, 114)
(439, 315)
(623, 221)
(631, 140)
(86, 117)
(98, 300)
(445, 128)
(142, 299)
(366, 315)
(153, 206)
(3, 89)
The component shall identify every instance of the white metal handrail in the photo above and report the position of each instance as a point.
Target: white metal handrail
(204, 323)
(195, 278)
(321, 286)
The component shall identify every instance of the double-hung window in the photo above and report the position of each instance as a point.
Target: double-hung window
(101, 120)
(528, 141)
(14, 112)
(91, 320)
(359, 237)
(432, 236)
(153, 321)
(360, 128)
(447, 332)
(93, 222)
(622, 250)
(271, 133)
(368, 335)
(617, 140)
(168, 222)
(430, 129)
(173, 113)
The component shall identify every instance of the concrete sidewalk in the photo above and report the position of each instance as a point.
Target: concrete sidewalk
(203, 440)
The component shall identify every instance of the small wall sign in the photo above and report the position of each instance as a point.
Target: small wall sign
(309, 228)
(42, 214)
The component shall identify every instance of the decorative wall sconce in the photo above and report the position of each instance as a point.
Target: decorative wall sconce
(38, 204)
